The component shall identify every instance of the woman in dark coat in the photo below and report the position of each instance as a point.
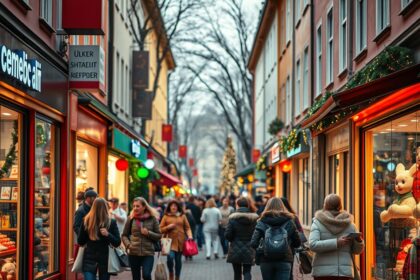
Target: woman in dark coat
(238, 232)
(97, 232)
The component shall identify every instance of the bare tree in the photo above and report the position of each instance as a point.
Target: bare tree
(226, 77)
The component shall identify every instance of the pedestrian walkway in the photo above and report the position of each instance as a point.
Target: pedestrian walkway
(201, 269)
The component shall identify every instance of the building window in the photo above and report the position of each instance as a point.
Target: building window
(305, 193)
(404, 3)
(391, 149)
(46, 11)
(382, 15)
(319, 60)
(343, 35)
(122, 82)
(288, 21)
(361, 9)
(45, 197)
(288, 102)
(338, 179)
(330, 46)
(297, 13)
(305, 79)
(297, 90)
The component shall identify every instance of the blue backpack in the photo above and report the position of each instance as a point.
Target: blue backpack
(276, 243)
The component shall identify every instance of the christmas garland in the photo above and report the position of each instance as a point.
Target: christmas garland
(261, 163)
(318, 104)
(292, 140)
(11, 155)
(275, 126)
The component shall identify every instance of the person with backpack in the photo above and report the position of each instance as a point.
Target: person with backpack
(239, 230)
(274, 237)
(334, 238)
(139, 235)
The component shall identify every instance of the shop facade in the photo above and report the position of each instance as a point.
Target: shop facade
(33, 156)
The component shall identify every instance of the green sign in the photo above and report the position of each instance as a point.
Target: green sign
(129, 146)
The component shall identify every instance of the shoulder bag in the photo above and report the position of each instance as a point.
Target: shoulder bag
(78, 262)
(304, 259)
(160, 270)
(114, 265)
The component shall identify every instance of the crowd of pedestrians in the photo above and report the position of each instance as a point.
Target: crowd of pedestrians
(268, 235)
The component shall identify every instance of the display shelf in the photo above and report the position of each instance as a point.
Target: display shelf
(8, 201)
(7, 253)
(8, 229)
(9, 179)
(42, 207)
(42, 189)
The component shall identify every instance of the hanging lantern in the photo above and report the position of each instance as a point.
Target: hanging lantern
(149, 164)
(182, 151)
(166, 133)
(46, 170)
(191, 162)
(142, 173)
(121, 164)
(250, 178)
(195, 172)
(256, 153)
(285, 166)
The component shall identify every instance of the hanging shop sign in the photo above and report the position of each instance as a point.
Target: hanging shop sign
(142, 104)
(81, 17)
(140, 70)
(87, 67)
(166, 133)
(275, 153)
(256, 154)
(135, 148)
(125, 144)
(182, 151)
(15, 64)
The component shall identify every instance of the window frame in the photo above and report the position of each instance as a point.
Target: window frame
(288, 118)
(288, 21)
(297, 94)
(329, 59)
(46, 11)
(319, 59)
(305, 78)
(361, 26)
(343, 40)
(382, 15)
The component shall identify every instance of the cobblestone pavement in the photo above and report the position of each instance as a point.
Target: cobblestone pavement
(201, 269)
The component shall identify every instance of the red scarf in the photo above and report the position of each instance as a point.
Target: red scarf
(140, 218)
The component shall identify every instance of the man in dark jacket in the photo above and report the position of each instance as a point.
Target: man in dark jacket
(84, 208)
(196, 213)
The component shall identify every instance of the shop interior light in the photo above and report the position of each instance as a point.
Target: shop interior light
(149, 164)
(285, 166)
(414, 120)
(6, 114)
(403, 125)
(142, 172)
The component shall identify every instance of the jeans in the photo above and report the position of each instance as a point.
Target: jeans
(136, 264)
(223, 241)
(239, 269)
(177, 257)
(92, 276)
(212, 238)
(275, 270)
(199, 236)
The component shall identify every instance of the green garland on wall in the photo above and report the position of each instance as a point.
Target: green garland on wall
(11, 155)
(292, 140)
(275, 126)
(261, 163)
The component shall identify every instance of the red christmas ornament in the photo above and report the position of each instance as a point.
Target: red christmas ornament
(46, 170)
(121, 164)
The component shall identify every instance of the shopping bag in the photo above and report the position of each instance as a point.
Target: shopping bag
(113, 261)
(78, 262)
(166, 243)
(157, 246)
(123, 257)
(160, 270)
(190, 248)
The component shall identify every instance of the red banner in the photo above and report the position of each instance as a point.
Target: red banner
(195, 172)
(191, 162)
(182, 151)
(81, 17)
(256, 153)
(166, 133)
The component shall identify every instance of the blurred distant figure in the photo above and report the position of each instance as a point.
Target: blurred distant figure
(124, 207)
(117, 213)
(225, 210)
(211, 218)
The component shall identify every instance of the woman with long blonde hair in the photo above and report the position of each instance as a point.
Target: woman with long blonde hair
(140, 233)
(211, 218)
(275, 227)
(97, 232)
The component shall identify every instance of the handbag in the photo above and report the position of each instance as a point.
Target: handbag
(190, 248)
(305, 257)
(122, 257)
(160, 270)
(166, 243)
(78, 262)
(113, 261)
(157, 246)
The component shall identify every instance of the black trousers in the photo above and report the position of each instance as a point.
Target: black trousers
(239, 269)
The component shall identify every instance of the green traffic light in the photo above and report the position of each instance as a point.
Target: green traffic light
(142, 172)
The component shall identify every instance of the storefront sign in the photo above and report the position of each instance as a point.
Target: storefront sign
(15, 63)
(140, 74)
(86, 67)
(142, 104)
(135, 148)
(275, 153)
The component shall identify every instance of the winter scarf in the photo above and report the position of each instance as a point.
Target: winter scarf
(141, 217)
(334, 221)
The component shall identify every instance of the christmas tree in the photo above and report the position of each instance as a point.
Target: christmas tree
(228, 169)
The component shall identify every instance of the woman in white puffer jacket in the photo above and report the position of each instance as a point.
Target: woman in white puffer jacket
(333, 250)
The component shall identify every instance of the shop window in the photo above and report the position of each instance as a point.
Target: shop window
(305, 193)
(117, 180)
(10, 190)
(45, 249)
(86, 167)
(338, 179)
(394, 142)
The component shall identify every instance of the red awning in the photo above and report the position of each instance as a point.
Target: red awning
(167, 179)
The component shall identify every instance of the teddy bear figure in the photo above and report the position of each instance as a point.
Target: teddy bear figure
(404, 205)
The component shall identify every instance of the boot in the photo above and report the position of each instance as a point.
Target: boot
(171, 276)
